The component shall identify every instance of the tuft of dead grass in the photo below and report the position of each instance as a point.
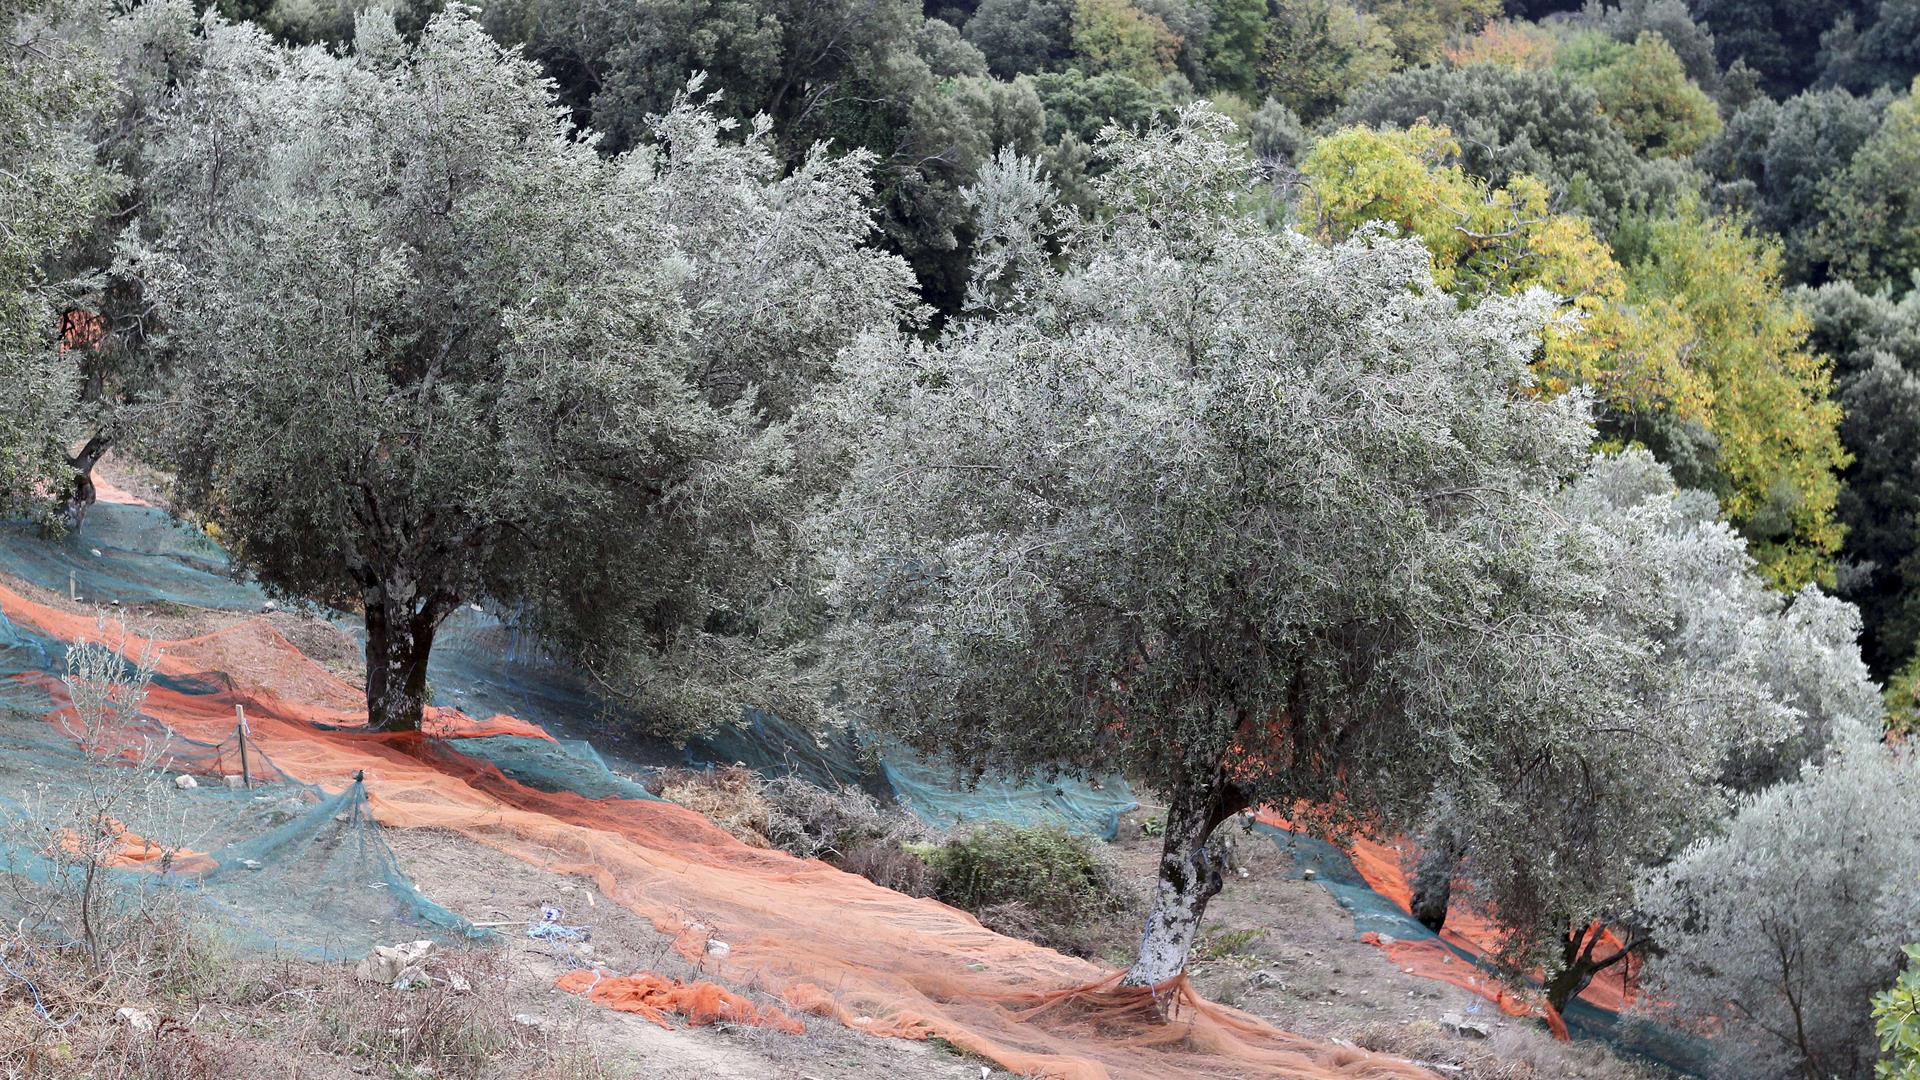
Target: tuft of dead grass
(728, 797)
(838, 823)
(891, 866)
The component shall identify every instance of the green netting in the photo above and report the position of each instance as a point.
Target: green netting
(484, 665)
(561, 765)
(143, 556)
(281, 866)
(323, 883)
(940, 794)
(774, 746)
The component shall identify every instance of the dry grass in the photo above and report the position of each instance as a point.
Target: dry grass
(245, 1018)
(461, 1026)
(838, 824)
(1509, 1054)
(729, 797)
(889, 865)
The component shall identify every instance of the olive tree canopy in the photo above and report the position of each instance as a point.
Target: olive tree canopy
(437, 350)
(1740, 685)
(1257, 520)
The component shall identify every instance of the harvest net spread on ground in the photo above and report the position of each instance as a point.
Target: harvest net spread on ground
(1369, 880)
(299, 863)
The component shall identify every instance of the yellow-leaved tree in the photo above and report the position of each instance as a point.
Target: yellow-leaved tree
(1774, 422)
(1694, 351)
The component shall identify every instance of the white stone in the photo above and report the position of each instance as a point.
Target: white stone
(1471, 1029)
(388, 963)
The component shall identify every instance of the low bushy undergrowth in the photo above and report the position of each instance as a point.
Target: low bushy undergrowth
(818, 823)
(893, 865)
(1041, 883)
(730, 798)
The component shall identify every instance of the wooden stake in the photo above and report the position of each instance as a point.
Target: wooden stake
(246, 773)
(73, 589)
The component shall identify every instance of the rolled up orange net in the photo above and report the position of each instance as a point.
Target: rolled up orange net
(654, 996)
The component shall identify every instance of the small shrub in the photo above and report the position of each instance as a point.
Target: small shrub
(817, 823)
(891, 866)
(1229, 944)
(1044, 884)
(1777, 932)
(1896, 1021)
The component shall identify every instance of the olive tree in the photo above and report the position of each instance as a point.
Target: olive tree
(51, 87)
(1776, 932)
(1257, 520)
(436, 350)
(119, 386)
(1743, 684)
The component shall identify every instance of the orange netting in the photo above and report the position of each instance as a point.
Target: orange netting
(106, 491)
(826, 942)
(446, 722)
(81, 329)
(649, 995)
(131, 851)
(1383, 867)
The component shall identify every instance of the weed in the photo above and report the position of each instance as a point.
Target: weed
(729, 797)
(1229, 945)
(819, 823)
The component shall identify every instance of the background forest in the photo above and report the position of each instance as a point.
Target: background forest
(1739, 169)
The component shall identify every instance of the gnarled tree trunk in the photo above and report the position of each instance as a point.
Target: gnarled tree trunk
(80, 494)
(1432, 886)
(1188, 878)
(400, 630)
(1579, 964)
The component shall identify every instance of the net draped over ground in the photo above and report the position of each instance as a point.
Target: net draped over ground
(826, 943)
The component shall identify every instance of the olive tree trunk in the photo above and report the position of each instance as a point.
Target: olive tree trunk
(81, 494)
(1579, 962)
(399, 644)
(1189, 877)
(1432, 885)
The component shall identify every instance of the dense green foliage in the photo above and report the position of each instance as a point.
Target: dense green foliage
(1032, 879)
(1776, 160)
(1511, 122)
(1896, 1020)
